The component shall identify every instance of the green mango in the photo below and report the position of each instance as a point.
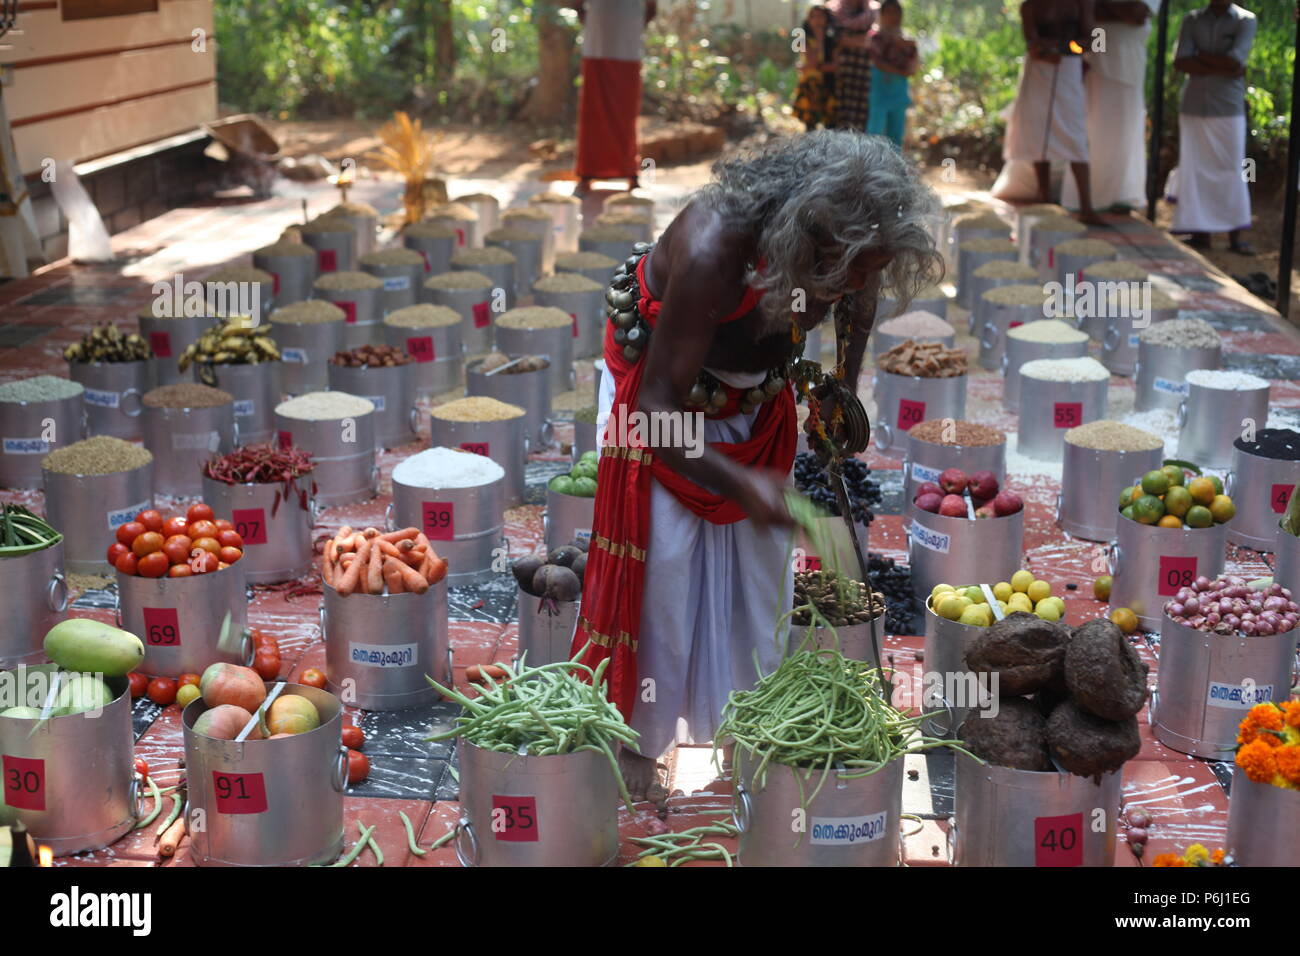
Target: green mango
(80, 693)
(80, 644)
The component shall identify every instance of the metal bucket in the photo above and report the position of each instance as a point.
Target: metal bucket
(1149, 564)
(1049, 409)
(1262, 488)
(926, 461)
(584, 438)
(890, 308)
(1286, 566)
(378, 648)
(392, 391)
(304, 350)
(438, 356)
(851, 822)
(1207, 683)
(993, 333)
(564, 224)
(276, 532)
(33, 601)
(466, 526)
(950, 689)
(881, 342)
(567, 517)
(1076, 265)
(555, 345)
(182, 439)
(941, 549)
(1263, 823)
(599, 274)
(588, 311)
(361, 314)
(964, 234)
(71, 780)
(1042, 248)
(1017, 352)
(1005, 817)
(364, 229)
(437, 252)
(501, 274)
(527, 267)
(906, 400)
(1119, 341)
(24, 434)
(487, 208)
(180, 620)
(971, 259)
(292, 276)
(505, 442)
(474, 307)
(88, 509)
(560, 810)
(400, 285)
(469, 232)
(843, 558)
(169, 338)
(616, 249)
(223, 303)
(112, 396)
(268, 802)
(531, 391)
(335, 251)
(257, 391)
(853, 641)
(1210, 419)
(978, 286)
(1091, 480)
(346, 471)
(546, 629)
(1162, 374)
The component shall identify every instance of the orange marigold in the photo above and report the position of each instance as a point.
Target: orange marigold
(1287, 759)
(1257, 761)
(1260, 717)
(1169, 859)
(1291, 713)
(1217, 857)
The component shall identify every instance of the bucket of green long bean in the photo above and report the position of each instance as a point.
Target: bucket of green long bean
(539, 778)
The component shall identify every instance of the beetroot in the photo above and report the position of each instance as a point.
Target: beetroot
(525, 569)
(564, 555)
(556, 582)
(579, 567)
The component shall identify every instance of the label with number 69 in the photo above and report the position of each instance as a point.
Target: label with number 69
(161, 627)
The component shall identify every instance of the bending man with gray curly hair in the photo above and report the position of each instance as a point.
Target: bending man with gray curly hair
(687, 570)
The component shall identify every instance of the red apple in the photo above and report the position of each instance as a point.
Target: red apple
(983, 485)
(929, 502)
(953, 481)
(1007, 503)
(953, 506)
(985, 511)
(929, 488)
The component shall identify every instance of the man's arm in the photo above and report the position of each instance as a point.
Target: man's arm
(1033, 43)
(861, 309)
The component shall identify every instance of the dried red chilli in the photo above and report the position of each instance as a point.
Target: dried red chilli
(260, 464)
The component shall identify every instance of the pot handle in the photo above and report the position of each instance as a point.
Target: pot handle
(315, 509)
(117, 606)
(1114, 558)
(1182, 413)
(375, 478)
(950, 841)
(388, 521)
(466, 829)
(528, 446)
(134, 794)
(989, 337)
(57, 583)
(1230, 483)
(951, 715)
(339, 780)
(1110, 341)
(450, 666)
(234, 432)
(139, 405)
(413, 419)
(548, 432)
(85, 423)
(248, 648)
(884, 436)
(742, 809)
(1006, 360)
(322, 620)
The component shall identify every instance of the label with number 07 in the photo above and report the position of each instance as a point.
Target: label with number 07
(1058, 841)
(161, 627)
(250, 524)
(514, 819)
(1175, 573)
(239, 792)
(24, 782)
(439, 520)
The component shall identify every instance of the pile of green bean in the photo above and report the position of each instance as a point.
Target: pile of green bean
(687, 846)
(543, 711)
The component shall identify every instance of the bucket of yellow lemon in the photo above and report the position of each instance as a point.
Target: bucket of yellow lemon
(1171, 531)
(1264, 808)
(953, 614)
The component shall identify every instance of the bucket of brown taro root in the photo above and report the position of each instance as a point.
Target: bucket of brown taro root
(308, 333)
(401, 270)
(430, 334)
(915, 381)
(335, 243)
(460, 217)
(292, 267)
(240, 290)
(470, 294)
(613, 241)
(526, 246)
(565, 211)
(494, 262)
(484, 205)
(357, 294)
(383, 374)
(435, 242)
(592, 265)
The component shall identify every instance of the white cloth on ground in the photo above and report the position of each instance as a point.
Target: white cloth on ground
(1212, 192)
(1047, 125)
(713, 594)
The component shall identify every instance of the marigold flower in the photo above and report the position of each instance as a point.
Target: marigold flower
(1169, 859)
(1217, 857)
(1197, 855)
(1291, 713)
(1287, 759)
(1257, 761)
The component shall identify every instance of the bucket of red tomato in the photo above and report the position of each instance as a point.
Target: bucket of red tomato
(180, 588)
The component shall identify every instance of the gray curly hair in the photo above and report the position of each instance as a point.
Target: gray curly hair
(816, 202)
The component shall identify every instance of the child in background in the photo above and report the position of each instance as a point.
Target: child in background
(814, 99)
(893, 60)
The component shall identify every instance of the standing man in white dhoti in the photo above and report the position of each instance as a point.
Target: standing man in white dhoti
(1115, 90)
(1049, 120)
(1213, 196)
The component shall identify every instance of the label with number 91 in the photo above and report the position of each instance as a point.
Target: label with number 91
(24, 782)
(439, 520)
(161, 627)
(239, 792)
(1175, 573)
(1058, 841)
(518, 819)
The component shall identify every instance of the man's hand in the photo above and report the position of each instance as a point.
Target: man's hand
(762, 496)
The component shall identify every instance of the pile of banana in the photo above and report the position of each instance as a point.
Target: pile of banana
(106, 343)
(231, 343)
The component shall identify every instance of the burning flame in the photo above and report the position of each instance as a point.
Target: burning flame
(1075, 48)
(46, 855)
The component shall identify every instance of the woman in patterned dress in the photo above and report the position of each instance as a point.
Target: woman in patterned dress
(814, 99)
(853, 21)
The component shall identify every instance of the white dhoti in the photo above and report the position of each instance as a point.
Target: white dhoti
(713, 594)
(1212, 192)
(1117, 125)
(1048, 120)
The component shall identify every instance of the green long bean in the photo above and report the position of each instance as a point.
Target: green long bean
(410, 835)
(157, 806)
(368, 836)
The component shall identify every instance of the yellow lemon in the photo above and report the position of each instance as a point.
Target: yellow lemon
(1039, 590)
(976, 616)
(650, 860)
(1020, 602)
(940, 588)
(951, 606)
(1047, 610)
(1021, 580)
(1222, 508)
(1002, 591)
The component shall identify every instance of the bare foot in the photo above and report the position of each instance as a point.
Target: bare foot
(1090, 217)
(641, 774)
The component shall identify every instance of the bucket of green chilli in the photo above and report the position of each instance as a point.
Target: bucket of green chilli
(91, 487)
(457, 498)
(69, 779)
(335, 244)
(526, 246)
(591, 265)
(1098, 462)
(486, 427)
(993, 275)
(401, 270)
(182, 620)
(1167, 351)
(1005, 308)
(307, 333)
(1055, 396)
(36, 594)
(1263, 823)
(357, 294)
(168, 338)
(431, 335)
(540, 331)
(613, 242)
(338, 431)
(37, 415)
(384, 375)
(184, 424)
(435, 242)
(583, 300)
(292, 267)
(1044, 339)
(1211, 417)
(975, 253)
(470, 295)
(379, 647)
(1261, 482)
(498, 265)
(264, 802)
(524, 381)
(937, 444)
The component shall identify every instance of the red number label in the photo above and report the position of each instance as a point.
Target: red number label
(328, 259)
(285, 439)
(250, 523)
(239, 792)
(1013, 325)
(1280, 497)
(1058, 841)
(421, 348)
(275, 283)
(460, 236)
(477, 447)
(161, 343)
(514, 819)
(481, 316)
(910, 413)
(24, 782)
(1067, 414)
(161, 626)
(574, 316)
(1051, 258)
(810, 562)
(1175, 573)
(425, 256)
(349, 312)
(439, 521)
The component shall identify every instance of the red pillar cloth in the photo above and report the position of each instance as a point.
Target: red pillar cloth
(607, 110)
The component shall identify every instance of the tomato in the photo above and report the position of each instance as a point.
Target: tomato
(358, 766)
(180, 571)
(206, 544)
(126, 563)
(229, 538)
(178, 548)
(199, 512)
(203, 529)
(187, 693)
(151, 519)
(153, 565)
(229, 555)
(225, 524)
(126, 533)
(353, 738)
(147, 543)
(116, 550)
(261, 637)
(202, 562)
(139, 684)
(162, 691)
(174, 526)
(313, 677)
(188, 679)
(142, 766)
(267, 665)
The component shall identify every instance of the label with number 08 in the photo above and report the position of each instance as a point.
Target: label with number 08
(24, 782)
(161, 627)
(1175, 572)
(514, 819)
(438, 519)
(239, 792)
(1058, 841)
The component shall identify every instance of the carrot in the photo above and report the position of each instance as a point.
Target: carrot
(393, 577)
(411, 578)
(327, 572)
(348, 581)
(415, 557)
(437, 569)
(331, 551)
(345, 531)
(389, 549)
(346, 558)
(421, 541)
(395, 536)
(171, 838)
(374, 570)
(371, 532)
(357, 539)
